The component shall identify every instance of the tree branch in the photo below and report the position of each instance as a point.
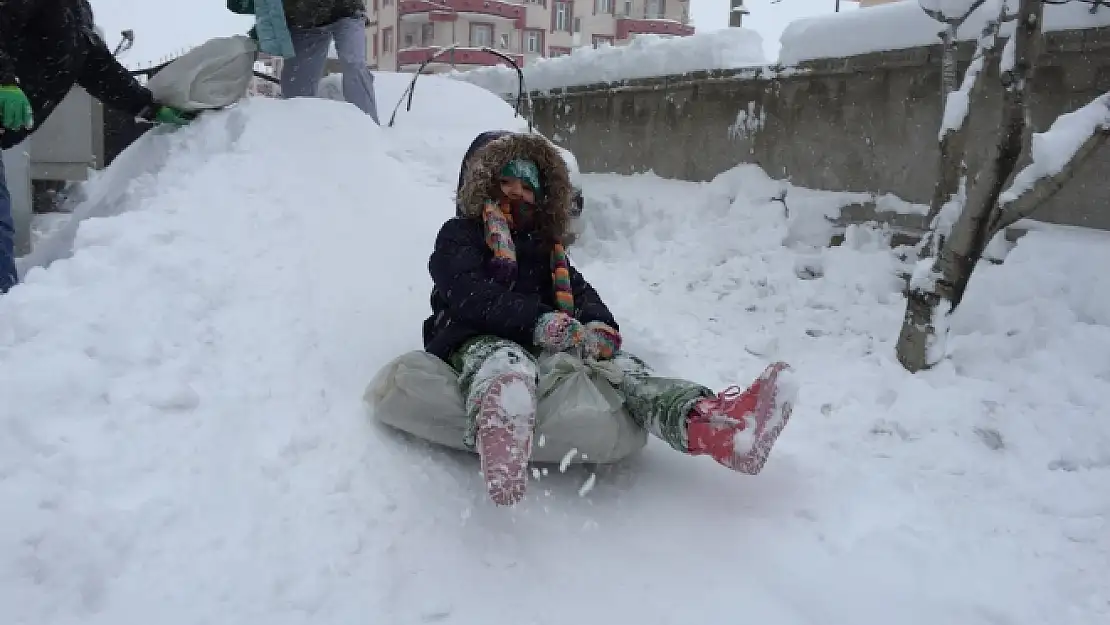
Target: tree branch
(938, 14)
(935, 14)
(1057, 154)
(971, 9)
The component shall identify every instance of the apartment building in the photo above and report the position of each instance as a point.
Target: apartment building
(404, 33)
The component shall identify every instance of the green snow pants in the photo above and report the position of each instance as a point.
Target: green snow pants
(659, 405)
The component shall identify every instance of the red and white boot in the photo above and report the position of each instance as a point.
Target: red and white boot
(506, 421)
(739, 428)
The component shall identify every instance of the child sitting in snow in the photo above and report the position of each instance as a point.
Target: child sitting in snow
(505, 293)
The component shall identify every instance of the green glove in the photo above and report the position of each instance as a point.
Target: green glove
(15, 108)
(242, 7)
(170, 115)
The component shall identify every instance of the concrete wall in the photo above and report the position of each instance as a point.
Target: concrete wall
(863, 123)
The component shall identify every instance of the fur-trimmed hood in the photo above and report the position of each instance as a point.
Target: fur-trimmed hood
(480, 179)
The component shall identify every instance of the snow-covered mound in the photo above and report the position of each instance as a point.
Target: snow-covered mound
(199, 360)
(183, 439)
(903, 24)
(643, 57)
(437, 102)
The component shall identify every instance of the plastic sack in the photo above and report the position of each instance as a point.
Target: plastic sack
(578, 409)
(213, 75)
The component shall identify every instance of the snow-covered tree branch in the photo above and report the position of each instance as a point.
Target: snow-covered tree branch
(1056, 155)
(968, 211)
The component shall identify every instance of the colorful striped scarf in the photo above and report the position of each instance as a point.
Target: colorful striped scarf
(498, 219)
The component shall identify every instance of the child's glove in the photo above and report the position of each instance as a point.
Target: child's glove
(602, 341)
(558, 332)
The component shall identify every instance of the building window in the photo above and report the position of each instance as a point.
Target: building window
(654, 9)
(481, 35)
(600, 40)
(603, 6)
(387, 40)
(533, 41)
(562, 16)
(427, 33)
(627, 11)
(503, 41)
(409, 40)
(559, 51)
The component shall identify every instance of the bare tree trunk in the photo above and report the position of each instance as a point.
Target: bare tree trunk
(951, 163)
(924, 328)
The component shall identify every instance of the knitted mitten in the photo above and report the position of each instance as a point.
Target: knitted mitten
(558, 332)
(602, 341)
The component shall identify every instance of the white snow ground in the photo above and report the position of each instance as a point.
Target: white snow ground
(183, 439)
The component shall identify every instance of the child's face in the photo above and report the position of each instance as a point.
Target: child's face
(515, 190)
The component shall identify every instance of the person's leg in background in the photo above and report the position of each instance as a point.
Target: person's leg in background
(358, 82)
(301, 74)
(8, 274)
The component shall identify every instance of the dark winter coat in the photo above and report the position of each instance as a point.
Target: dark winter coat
(467, 301)
(48, 46)
(313, 13)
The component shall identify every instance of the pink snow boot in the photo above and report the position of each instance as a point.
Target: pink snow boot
(738, 429)
(506, 420)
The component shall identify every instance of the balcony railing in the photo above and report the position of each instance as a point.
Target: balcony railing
(461, 56)
(629, 26)
(493, 8)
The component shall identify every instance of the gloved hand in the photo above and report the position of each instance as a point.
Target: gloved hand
(602, 341)
(169, 115)
(15, 108)
(558, 332)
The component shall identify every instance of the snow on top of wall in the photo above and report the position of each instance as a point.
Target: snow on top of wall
(643, 57)
(901, 25)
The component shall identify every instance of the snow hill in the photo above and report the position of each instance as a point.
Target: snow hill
(182, 438)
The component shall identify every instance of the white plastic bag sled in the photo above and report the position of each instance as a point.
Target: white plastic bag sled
(213, 75)
(578, 409)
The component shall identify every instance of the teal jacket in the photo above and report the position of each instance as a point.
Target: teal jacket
(269, 25)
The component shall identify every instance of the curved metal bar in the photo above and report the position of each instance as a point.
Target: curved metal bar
(407, 95)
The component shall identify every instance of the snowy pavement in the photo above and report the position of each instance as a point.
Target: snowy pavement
(184, 440)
